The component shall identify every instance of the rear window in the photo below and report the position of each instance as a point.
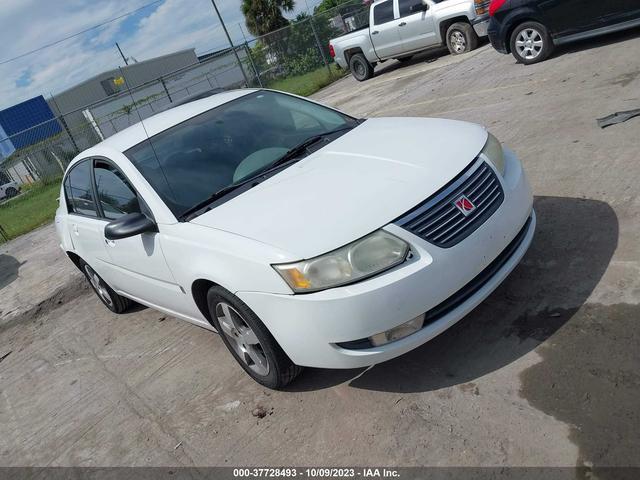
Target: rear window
(383, 12)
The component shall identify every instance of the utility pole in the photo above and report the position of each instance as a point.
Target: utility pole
(224, 27)
(122, 54)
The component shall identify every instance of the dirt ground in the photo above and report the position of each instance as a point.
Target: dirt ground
(545, 372)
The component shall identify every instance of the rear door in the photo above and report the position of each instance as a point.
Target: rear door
(417, 28)
(385, 34)
(137, 265)
(568, 17)
(85, 226)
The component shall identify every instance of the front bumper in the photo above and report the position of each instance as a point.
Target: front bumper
(309, 327)
(481, 25)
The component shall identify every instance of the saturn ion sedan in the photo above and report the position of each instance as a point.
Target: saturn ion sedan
(304, 236)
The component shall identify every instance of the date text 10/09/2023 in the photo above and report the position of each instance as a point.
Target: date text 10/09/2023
(291, 472)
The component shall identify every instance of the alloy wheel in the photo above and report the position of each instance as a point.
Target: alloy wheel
(529, 43)
(98, 285)
(242, 338)
(458, 42)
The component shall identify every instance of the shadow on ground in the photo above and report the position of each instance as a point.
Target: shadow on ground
(9, 267)
(574, 243)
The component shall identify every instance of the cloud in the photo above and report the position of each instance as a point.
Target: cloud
(171, 25)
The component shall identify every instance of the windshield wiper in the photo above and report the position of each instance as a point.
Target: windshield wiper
(302, 147)
(291, 154)
(215, 196)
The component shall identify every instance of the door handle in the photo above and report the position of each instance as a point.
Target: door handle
(375, 32)
(402, 24)
(75, 229)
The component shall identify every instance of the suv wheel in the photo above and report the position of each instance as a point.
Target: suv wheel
(114, 302)
(531, 43)
(461, 38)
(10, 192)
(249, 341)
(360, 67)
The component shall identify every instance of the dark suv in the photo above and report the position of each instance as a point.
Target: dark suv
(530, 29)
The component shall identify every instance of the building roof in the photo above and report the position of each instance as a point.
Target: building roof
(127, 67)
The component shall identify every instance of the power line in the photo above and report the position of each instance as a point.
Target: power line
(82, 32)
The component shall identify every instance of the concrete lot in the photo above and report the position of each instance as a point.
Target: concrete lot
(545, 372)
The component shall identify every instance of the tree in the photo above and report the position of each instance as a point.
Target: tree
(264, 16)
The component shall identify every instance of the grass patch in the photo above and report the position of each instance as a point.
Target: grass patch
(308, 83)
(34, 208)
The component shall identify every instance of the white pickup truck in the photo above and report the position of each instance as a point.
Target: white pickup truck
(400, 28)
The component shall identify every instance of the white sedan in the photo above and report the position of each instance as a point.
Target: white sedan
(305, 236)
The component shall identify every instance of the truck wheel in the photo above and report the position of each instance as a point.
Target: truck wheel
(249, 341)
(360, 67)
(461, 38)
(531, 43)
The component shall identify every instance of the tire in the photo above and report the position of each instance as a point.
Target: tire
(461, 38)
(249, 341)
(539, 48)
(360, 67)
(10, 192)
(114, 302)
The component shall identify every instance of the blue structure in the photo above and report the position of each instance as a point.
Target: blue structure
(26, 123)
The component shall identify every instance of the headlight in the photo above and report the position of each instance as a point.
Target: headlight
(493, 151)
(358, 260)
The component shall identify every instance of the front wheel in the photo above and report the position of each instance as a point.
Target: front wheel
(531, 43)
(249, 341)
(461, 38)
(11, 192)
(360, 67)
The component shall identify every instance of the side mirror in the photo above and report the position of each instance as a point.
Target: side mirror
(420, 7)
(129, 225)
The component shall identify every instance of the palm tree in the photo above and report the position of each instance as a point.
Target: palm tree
(264, 16)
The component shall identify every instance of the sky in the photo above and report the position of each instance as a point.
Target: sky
(163, 27)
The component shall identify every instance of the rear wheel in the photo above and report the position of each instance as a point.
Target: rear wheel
(461, 38)
(249, 341)
(11, 192)
(531, 43)
(360, 67)
(114, 302)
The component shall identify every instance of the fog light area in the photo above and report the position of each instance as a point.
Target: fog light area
(398, 332)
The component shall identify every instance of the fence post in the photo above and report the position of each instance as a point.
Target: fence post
(315, 34)
(164, 85)
(64, 124)
(253, 65)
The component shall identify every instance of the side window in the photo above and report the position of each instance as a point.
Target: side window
(383, 12)
(115, 195)
(409, 7)
(79, 191)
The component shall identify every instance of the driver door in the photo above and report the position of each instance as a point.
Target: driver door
(137, 265)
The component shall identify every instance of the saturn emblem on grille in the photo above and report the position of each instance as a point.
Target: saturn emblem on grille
(465, 205)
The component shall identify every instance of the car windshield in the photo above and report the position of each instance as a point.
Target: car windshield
(191, 161)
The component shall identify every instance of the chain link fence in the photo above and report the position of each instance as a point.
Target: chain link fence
(295, 59)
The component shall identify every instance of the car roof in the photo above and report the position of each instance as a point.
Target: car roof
(155, 124)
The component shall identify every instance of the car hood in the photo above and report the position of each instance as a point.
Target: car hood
(351, 187)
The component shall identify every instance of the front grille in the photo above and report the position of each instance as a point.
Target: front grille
(440, 222)
(482, 6)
